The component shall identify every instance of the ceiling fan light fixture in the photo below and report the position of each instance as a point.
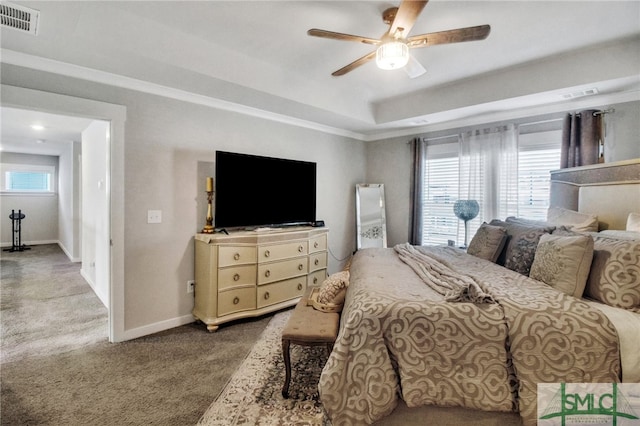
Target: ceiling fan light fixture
(392, 55)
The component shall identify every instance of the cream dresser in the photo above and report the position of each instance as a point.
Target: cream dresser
(250, 273)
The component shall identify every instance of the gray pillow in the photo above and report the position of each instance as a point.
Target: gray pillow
(488, 242)
(522, 242)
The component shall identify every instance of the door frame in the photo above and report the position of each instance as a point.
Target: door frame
(18, 97)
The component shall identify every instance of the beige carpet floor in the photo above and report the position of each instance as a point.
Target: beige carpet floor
(78, 378)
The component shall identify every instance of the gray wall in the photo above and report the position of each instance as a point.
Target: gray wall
(389, 162)
(168, 145)
(40, 224)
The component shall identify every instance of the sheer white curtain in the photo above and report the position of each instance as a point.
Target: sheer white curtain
(489, 172)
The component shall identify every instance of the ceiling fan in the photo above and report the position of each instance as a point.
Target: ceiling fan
(393, 47)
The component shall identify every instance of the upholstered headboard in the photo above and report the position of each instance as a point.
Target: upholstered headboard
(610, 191)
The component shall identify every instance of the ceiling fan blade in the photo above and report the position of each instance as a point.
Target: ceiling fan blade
(355, 64)
(479, 32)
(340, 36)
(414, 68)
(406, 16)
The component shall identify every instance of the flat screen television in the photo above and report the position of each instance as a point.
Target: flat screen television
(255, 191)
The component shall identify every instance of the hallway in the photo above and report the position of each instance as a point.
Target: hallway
(46, 305)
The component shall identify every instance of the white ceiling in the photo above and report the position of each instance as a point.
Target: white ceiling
(256, 55)
(56, 133)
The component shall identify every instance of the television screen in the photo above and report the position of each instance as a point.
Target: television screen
(256, 191)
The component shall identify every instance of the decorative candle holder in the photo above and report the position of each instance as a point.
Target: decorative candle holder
(208, 228)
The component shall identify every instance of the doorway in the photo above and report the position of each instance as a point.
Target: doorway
(112, 255)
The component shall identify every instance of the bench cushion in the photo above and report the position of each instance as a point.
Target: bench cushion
(310, 325)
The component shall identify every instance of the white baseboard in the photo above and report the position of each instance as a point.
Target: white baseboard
(71, 258)
(30, 243)
(89, 281)
(87, 278)
(36, 243)
(157, 327)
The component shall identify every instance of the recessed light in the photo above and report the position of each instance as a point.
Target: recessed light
(37, 127)
(40, 141)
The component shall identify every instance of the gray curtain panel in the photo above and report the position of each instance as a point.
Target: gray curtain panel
(419, 151)
(581, 136)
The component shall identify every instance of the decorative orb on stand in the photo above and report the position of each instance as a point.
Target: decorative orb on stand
(466, 210)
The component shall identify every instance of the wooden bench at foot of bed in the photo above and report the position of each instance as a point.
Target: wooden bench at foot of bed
(307, 327)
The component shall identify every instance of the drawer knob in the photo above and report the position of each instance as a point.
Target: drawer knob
(236, 277)
(266, 296)
(316, 262)
(315, 280)
(267, 253)
(300, 267)
(315, 244)
(236, 300)
(267, 273)
(300, 249)
(236, 256)
(299, 286)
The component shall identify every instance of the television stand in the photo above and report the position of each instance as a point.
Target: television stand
(250, 273)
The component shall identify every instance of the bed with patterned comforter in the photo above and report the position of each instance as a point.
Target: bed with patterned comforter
(483, 342)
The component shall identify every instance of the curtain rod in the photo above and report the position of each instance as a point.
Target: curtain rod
(455, 135)
(540, 122)
(605, 111)
(519, 125)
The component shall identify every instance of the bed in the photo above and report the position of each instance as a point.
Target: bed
(467, 337)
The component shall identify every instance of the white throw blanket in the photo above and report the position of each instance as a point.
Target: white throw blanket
(455, 287)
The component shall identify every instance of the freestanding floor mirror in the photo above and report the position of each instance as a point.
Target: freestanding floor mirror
(370, 215)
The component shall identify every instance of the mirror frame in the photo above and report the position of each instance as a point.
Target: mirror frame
(359, 208)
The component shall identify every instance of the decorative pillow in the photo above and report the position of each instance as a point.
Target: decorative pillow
(615, 273)
(633, 222)
(333, 289)
(576, 221)
(521, 245)
(488, 242)
(563, 262)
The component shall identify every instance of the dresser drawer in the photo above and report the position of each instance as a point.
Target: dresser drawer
(236, 275)
(236, 255)
(269, 253)
(279, 292)
(236, 300)
(316, 278)
(318, 243)
(276, 271)
(317, 261)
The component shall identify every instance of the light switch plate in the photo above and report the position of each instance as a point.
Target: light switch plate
(154, 216)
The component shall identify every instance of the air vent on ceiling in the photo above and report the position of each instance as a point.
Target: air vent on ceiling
(19, 18)
(580, 93)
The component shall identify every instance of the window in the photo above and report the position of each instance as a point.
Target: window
(538, 154)
(28, 178)
(441, 186)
